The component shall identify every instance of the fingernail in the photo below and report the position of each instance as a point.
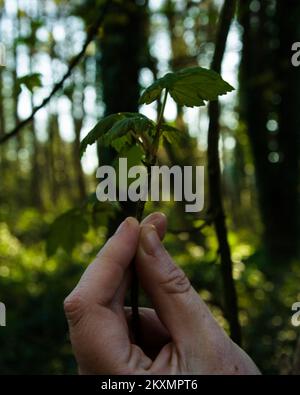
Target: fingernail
(150, 241)
(153, 218)
(123, 226)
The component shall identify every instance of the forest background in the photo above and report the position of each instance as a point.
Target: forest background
(51, 225)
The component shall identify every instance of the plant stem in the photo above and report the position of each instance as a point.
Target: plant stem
(162, 110)
(134, 294)
(150, 161)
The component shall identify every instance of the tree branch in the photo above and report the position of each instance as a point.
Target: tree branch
(59, 85)
(214, 177)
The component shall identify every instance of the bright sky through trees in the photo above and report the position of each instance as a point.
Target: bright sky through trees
(73, 33)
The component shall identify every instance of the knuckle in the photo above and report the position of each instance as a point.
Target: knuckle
(74, 307)
(176, 282)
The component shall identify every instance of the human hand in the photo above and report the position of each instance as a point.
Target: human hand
(180, 336)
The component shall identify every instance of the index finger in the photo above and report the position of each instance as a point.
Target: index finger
(104, 275)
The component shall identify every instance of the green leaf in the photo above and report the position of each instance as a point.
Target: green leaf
(153, 92)
(134, 156)
(172, 134)
(115, 130)
(137, 124)
(99, 130)
(188, 87)
(66, 231)
(122, 143)
(165, 127)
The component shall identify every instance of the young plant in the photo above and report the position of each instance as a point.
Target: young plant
(190, 87)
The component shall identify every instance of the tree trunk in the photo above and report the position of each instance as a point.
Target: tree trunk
(269, 92)
(214, 178)
(120, 48)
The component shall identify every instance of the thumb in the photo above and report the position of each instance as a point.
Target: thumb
(177, 304)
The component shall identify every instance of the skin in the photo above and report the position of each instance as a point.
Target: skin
(179, 335)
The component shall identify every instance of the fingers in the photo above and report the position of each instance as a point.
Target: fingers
(106, 279)
(177, 304)
(159, 220)
(104, 276)
(155, 336)
(98, 334)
